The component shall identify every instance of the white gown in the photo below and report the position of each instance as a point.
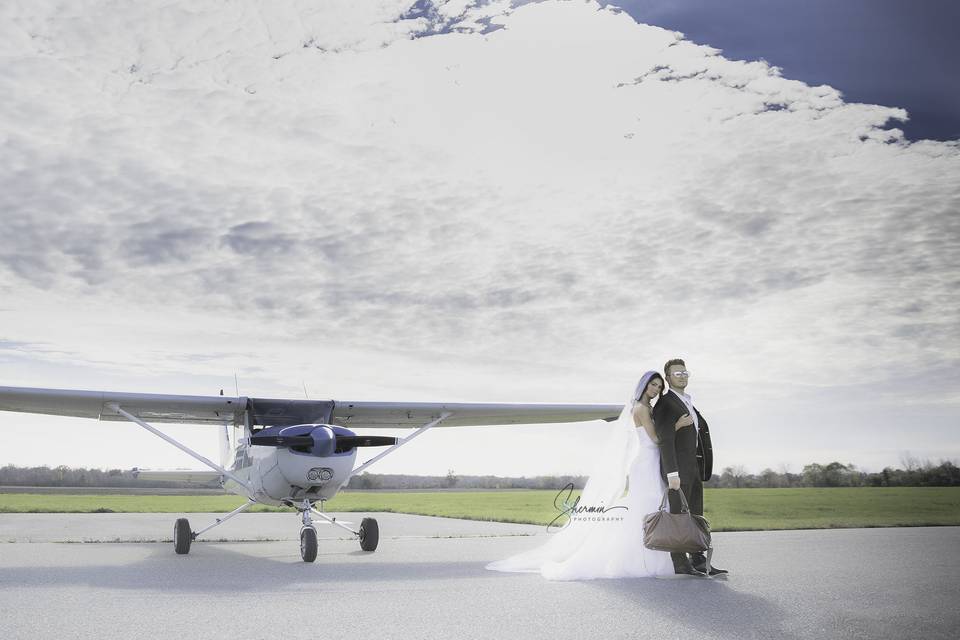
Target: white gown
(589, 548)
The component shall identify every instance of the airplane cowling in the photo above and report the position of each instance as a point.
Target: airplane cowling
(319, 440)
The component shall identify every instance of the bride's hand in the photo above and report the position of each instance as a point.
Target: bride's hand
(683, 421)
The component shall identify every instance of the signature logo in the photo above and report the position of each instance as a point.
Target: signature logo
(575, 511)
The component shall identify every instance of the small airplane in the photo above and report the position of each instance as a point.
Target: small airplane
(294, 453)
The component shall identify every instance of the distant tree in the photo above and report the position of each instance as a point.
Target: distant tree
(855, 478)
(739, 475)
(813, 475)
(365, 481)
(450, 480)
(833, 474)
(770, 478)
(909, 462)
(946, 474)
(732, 477)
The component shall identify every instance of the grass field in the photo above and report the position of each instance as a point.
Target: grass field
(726, 509)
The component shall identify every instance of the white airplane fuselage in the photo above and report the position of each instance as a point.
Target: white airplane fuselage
(281, 476)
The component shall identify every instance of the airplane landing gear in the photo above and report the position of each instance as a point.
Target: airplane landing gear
(308, 534)
(308, 544)
(369, 534)
(182, 536)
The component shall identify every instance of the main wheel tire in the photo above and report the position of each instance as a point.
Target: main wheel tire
(182, 536)
(369, 534)
(308, 544)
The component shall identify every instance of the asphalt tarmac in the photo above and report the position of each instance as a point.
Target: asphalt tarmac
(427, 580)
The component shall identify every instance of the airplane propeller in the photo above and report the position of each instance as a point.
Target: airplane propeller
(318, 440)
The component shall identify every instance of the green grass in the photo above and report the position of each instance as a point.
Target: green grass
(90, 503)
(727, 509)
(808, 508)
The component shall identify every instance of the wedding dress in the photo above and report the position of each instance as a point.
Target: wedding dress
(607, 543)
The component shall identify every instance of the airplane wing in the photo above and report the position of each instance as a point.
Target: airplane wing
(274, 412)
(415, 414)
(148, 406)
(177, 475)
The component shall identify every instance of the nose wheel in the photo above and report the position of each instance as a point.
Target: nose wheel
(368, 534)
(308, 544)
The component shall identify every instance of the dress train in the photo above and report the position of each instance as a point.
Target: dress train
(607, 545)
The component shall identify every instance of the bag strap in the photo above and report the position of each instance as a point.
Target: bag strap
(684, 507)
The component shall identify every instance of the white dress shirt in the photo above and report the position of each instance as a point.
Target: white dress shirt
(688, 403)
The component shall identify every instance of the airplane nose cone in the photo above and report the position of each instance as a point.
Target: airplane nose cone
(324, 441)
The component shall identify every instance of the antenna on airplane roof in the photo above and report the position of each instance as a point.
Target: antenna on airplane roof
(305, 394)
(236, 384)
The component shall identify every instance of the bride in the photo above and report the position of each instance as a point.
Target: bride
(627, 475)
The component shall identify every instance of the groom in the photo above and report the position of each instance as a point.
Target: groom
(686, 456)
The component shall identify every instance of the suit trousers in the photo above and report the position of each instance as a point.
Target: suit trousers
(692, 487)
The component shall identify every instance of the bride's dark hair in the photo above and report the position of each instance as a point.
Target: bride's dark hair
(645, 381)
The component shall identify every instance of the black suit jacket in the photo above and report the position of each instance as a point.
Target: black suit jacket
(681, 450)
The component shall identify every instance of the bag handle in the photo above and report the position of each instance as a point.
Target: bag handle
(684, 507)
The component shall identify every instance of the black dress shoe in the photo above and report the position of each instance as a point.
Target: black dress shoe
(687, 569)
(714, 571)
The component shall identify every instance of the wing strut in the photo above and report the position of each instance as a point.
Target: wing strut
(401, 442)
(184, 448)
(240, 509)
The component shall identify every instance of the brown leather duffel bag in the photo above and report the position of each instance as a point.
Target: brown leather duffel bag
(681, 532)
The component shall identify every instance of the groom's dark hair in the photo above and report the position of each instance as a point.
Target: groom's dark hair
(670, 363)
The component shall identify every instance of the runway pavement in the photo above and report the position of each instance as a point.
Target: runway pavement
(427, 580)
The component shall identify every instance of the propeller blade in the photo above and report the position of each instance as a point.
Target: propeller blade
(345, 443)
(282, 441)
(320, 436)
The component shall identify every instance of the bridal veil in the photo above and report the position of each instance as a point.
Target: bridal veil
(626, 475)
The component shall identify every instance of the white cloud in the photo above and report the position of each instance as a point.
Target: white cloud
(537, 212)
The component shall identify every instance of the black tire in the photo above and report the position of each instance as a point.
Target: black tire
(308, 544)
(369, 534)
(182, 536)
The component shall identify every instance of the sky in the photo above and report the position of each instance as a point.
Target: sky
(897, 53)
(463, 201)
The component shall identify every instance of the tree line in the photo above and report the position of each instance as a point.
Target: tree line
(64, 476)
(838, 474)
(832, 474)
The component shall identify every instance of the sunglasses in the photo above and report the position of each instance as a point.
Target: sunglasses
(681, 374)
